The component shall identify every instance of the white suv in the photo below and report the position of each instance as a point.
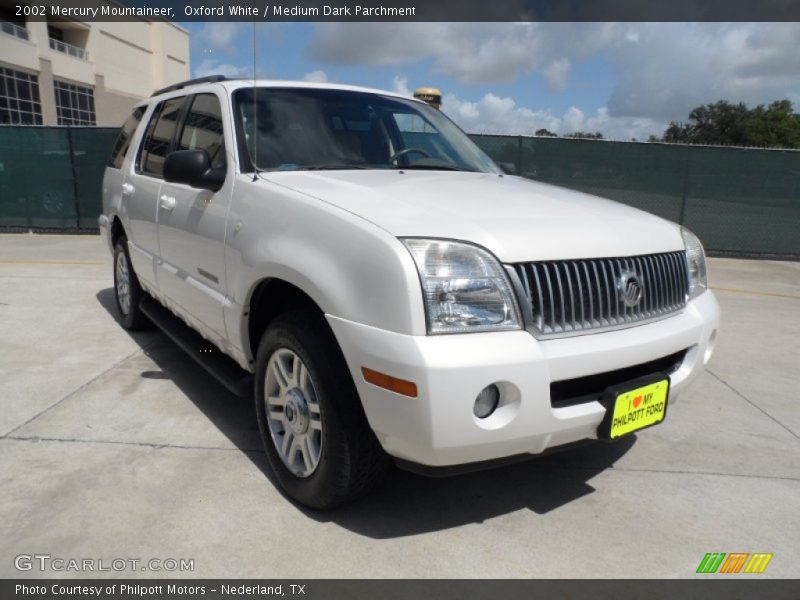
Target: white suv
(384, 289)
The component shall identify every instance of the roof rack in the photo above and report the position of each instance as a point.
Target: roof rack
(183, 84)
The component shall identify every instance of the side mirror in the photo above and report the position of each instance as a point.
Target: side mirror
(193, 167)
(508, 168)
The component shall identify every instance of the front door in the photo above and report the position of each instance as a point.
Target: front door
(191, 224)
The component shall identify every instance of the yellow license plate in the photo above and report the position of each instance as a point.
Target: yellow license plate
(636, 408)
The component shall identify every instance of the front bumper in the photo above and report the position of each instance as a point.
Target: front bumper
(438, 428)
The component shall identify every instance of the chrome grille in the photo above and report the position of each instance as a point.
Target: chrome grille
(574, 296)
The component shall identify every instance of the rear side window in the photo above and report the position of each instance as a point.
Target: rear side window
(124, 140)
(158, 139)
(202, 129)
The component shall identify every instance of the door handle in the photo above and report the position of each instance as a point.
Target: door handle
(167, 202)
(128, 189)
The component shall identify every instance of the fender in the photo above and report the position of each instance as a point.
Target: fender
(275, 232)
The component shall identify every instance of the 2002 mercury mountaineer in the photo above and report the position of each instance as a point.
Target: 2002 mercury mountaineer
(386, 290)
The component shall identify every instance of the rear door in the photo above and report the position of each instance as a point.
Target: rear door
(120, 162)
(142, 186)
(191, 223)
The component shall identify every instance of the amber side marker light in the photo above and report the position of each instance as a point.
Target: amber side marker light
(399, 386)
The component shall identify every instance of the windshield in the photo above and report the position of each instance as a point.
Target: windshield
(296, 128)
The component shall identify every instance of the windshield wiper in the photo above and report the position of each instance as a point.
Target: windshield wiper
(435, 167)
(332, 167)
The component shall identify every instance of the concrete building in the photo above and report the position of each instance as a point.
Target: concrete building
(60, 72)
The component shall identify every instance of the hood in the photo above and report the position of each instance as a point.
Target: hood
(516, 219)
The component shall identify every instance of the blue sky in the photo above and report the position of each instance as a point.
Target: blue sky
(625, 80)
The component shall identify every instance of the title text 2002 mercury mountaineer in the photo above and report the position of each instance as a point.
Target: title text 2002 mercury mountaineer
(385, 290)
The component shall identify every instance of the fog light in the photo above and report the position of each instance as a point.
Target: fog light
(486, 402)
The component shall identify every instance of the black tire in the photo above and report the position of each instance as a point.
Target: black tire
(133, 318)
(351, 461)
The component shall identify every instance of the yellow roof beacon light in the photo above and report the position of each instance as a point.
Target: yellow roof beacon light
(430, 95)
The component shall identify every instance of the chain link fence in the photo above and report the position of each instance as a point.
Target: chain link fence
(51, 177)
(739, 201)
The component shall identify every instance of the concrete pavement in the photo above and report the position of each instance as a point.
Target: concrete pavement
(115, 445)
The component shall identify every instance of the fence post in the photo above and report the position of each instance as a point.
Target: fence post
(519, 155)
(74, 179)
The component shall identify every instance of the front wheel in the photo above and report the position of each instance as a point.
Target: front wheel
(314, 431)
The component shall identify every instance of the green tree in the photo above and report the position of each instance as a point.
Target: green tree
(776, 125)
(584, 135)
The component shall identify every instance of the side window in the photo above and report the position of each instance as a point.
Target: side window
(124, 140)
(158, 138)
(202, 129)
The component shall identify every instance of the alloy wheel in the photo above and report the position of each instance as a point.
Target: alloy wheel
(293, 412)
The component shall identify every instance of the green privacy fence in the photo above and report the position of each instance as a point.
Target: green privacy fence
(51, 177)
(739, 201)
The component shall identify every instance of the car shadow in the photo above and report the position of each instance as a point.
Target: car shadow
(408, 504)
(405, 504)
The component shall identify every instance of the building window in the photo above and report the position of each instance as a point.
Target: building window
(55, 33)
(74, 104)
(66, 43)
(14, 29)
(11, 24)
(19, 98)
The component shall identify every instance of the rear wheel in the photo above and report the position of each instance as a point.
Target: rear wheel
(314, 431)
(127, 290)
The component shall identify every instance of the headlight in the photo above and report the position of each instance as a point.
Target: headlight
(696, 263)
(464, 286)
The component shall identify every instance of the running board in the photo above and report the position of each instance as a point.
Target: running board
(206, 354)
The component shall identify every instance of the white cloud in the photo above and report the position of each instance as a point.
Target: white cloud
(212, 66)
(219, 35)
(662, 70)
(677, 66)
(573, 120)
(495, 114)
(226, 38)
(557, 72)
(400, 85)
(318, 76)
(469, 52)
(632, 36)
(616, 128)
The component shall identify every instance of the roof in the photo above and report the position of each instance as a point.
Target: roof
(234, 84)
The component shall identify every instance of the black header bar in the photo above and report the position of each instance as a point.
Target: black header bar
(413, 10)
